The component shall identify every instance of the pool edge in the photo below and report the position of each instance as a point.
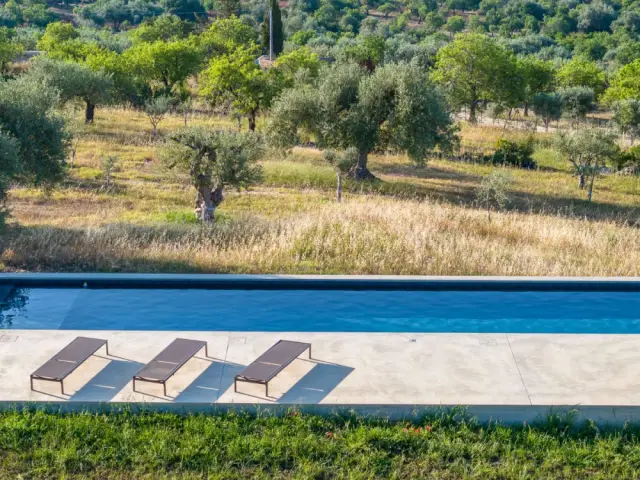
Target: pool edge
(316, 282)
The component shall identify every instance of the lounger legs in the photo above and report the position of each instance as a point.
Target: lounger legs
(266, 386)
(164, 386)
(61, 384)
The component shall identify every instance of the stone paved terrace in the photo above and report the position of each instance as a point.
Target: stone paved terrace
(386, 369)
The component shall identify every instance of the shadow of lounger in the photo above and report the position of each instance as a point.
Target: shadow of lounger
(316, 384)
(108, 382)
(210, 384)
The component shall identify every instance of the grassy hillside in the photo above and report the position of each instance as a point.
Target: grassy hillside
(413, 221)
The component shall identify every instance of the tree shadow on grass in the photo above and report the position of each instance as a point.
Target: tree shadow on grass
(426, 172)
(464, 195)
(49, 248)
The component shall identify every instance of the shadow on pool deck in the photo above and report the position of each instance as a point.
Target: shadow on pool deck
(211, 383)
(316, 384)
(108, 382)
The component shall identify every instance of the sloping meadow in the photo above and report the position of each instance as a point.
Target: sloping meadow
(365, 235)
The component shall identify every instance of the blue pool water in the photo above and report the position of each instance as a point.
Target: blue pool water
(321, 310)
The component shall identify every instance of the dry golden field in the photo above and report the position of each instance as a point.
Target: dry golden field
(414, 221)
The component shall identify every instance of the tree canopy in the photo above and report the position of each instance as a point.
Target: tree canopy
(74, 80)
(625, 84)
(394, 108)
(236, 80)
(34, 139)
(165, 66)
(474, 70)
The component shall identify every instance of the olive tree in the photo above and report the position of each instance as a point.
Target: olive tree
(548, 107)
(340, 162)
(9, 164)
(588, 151)
(156, 109)
(577, 103)
(33, 139)
(213, 160)
(626, 118)
(394, 108)
(75, 80)
(493, 191)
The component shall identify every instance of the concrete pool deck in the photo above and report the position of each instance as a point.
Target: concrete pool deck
(525, 373)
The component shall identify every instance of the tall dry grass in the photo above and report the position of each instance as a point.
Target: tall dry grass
(366, 235)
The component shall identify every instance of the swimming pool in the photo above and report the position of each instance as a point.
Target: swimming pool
(320, 310)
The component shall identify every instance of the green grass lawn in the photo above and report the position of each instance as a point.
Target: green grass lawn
(444, 446)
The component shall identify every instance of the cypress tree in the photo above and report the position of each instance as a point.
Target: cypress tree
(278, 32)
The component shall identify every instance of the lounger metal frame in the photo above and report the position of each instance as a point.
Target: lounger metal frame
(33, 376)
(165, 380)
(271, 377)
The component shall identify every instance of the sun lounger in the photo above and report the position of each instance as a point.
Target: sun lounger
(169, 361)
(68, 359)
(271, 362)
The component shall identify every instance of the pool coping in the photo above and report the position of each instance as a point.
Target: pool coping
(317, 282)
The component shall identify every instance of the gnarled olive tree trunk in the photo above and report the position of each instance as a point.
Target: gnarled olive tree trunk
(360, 171)
(581, 181)
(207, 201)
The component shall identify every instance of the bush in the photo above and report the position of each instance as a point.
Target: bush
(629, 161)
(513, 153)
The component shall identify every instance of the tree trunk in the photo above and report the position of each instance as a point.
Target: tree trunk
(204, 206)
(155, 130)
(89, 113)
(489, 212)
(185, 119)
(360, 171)
(581, 181)
(526, 109)
(472, 112)
(252, 121)
(207, 202)
(590, 193)
(339, 187)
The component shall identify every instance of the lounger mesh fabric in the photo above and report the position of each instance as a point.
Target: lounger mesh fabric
(169, 361)
(272, 362)
(68, 359)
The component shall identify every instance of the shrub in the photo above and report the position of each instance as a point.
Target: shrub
(513, 153)
(628, 161)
